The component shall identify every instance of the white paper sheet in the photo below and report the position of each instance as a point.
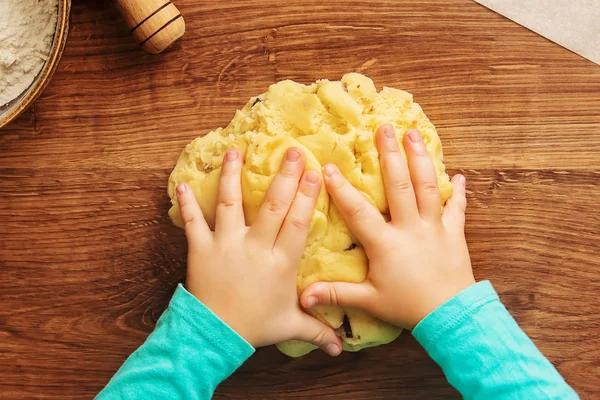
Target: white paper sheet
(574, 24)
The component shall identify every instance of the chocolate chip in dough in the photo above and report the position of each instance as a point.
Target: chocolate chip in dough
(351, 247)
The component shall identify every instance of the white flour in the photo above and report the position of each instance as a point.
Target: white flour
(26, 31)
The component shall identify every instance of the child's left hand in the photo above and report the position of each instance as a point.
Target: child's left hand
(247, 275)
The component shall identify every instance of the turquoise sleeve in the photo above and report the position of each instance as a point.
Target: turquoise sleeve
(483, 352)
(189, 353)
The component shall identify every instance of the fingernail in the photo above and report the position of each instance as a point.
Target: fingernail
(311, 302)
(462, 180)
(414, 136)
(389, 131)
(181, 188)
(292, 155)
(311, 177)
(333, 349)
(231, 155)
(329, 170)
(390, 138)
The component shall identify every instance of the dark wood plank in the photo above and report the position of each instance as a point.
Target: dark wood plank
(89, 259)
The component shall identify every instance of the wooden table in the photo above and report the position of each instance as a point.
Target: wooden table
(89, 258)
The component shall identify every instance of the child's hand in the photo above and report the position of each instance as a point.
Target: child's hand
(247, 275)
(419, 259)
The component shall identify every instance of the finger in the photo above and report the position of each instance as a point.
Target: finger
(295, 229)
(342, 294)
(229, 214)
(396, 178)
(423, 176)
(454, 212)
(319, 334)
(279, 197)
(196, 228)
(364, 220)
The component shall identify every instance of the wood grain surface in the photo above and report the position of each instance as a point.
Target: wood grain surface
(89, 258)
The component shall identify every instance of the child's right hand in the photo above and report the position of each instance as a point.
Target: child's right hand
(419, 259)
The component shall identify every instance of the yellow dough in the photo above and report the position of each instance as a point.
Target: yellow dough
(332, 122)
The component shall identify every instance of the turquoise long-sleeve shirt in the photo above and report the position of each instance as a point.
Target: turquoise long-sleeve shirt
(481, 349)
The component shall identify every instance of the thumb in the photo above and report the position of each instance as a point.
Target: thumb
(454, 211)
(343, 294)
(319, 334)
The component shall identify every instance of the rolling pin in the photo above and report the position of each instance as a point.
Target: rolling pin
(155, 24)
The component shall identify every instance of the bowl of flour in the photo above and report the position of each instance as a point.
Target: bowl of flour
(33, 34)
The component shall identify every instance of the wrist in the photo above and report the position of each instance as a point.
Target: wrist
(453, 312)
(437, 298)
(223, 311)
(206, 322)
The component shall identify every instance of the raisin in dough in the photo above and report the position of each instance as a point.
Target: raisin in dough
(332, 122)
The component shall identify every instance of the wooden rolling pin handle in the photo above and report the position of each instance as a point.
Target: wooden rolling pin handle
(156, 24)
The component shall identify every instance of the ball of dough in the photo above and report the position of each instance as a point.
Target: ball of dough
(332, 122)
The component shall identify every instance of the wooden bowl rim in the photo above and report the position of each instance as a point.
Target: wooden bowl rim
(43, 78)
